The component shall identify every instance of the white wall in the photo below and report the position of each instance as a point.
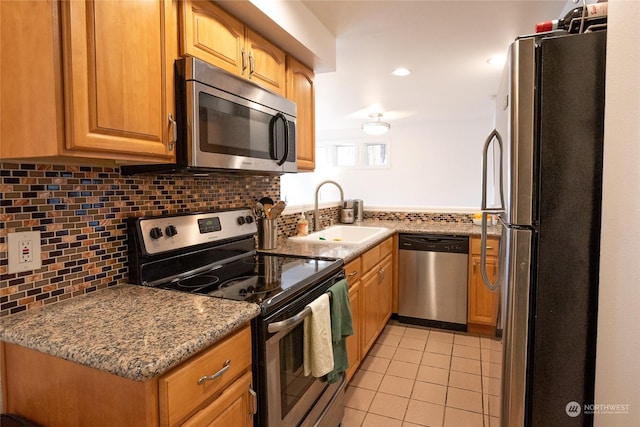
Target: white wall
(433, 165)
(617, 367)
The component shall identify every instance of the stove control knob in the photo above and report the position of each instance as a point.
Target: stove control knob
(249, 219)
(240, 220)
(155, 233)
(171, 230)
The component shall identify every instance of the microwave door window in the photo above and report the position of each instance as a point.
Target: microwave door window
(233, 129)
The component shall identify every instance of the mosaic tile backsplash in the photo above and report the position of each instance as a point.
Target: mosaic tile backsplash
(80, 212)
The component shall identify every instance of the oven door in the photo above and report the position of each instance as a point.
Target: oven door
(294, 399)
(231, 132)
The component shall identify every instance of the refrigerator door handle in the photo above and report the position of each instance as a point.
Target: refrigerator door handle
(485, 154)
(492, 286)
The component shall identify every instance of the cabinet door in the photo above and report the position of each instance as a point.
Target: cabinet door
(235, 407)
(301, 90)
(385, 273)
(31, 103)
(483, 304)
(353, 343)
(370, 309)
(180, 390)
(211, 34)
(266, 63)
(118, 72)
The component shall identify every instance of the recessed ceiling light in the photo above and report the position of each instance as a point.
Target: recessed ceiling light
(401, 72)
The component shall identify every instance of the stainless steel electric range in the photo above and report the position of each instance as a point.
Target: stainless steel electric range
(213, 253)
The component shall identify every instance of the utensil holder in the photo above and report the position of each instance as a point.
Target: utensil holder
(267, 233)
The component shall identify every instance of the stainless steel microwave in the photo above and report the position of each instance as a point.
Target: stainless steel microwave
(227, 123)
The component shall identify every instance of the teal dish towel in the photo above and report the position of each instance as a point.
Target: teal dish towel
(341, 328)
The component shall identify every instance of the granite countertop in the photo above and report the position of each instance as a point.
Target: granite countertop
(138, 332)
(349, 252)
(132, 331)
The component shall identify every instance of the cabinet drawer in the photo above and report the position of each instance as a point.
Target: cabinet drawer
(353, 271)
(179, 389)
(235, 407)
(492, 246)
(370, 259)
(386, 247)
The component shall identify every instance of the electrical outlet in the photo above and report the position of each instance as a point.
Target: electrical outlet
(24, 251)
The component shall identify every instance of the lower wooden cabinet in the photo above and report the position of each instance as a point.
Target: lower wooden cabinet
(233, 408)
(371, 283)
(51, 391)
(483, 304)
(206, 376)
(377, 286)
(353, 341)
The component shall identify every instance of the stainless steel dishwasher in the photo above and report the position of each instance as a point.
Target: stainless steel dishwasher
(432, 288)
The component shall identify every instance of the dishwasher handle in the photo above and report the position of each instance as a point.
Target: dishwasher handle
(433, 243)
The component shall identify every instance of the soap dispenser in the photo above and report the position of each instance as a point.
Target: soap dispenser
(303, 226)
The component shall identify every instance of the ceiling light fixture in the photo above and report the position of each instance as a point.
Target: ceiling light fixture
(375, 127)
(401, 72)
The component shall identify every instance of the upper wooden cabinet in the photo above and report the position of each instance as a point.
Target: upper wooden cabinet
(31, 106)
(301, 90)
(118, 75)
(88, 79)
(211, 34)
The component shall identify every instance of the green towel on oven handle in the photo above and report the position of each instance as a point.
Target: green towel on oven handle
(341, 328)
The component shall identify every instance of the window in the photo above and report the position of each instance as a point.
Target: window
(346, 155)
(375, 154)
(357, 154)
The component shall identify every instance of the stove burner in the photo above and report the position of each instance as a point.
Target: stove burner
(248, 285)
(197, 281)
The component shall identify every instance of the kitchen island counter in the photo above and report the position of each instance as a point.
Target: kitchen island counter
(131, 331)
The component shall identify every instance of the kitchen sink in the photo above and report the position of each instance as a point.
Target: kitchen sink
(343, 234)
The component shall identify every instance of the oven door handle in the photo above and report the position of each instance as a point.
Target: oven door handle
(290, 322)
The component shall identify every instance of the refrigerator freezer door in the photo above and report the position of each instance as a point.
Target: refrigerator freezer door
(515, 108)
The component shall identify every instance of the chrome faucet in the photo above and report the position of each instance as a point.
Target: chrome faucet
(316, 216)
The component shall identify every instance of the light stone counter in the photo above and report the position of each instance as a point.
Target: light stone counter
(131, 331)
(349, 252)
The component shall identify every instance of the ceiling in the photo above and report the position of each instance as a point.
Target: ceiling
(445, 44)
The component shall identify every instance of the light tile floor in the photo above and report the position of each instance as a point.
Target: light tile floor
(415, 376)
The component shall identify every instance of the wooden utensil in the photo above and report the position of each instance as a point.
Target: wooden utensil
(277, 209)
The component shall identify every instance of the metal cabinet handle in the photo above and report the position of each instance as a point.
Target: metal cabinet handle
(218, 374)
(489, 247)
(244, 60)
(353, 273)
(254, 401)
(252, 65)
(175, 132)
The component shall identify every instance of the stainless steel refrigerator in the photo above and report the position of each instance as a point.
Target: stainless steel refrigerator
(544, 160)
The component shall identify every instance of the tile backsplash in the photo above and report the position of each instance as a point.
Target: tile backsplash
(80, 212)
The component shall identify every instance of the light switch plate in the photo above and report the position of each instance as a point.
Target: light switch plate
(24, 251)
